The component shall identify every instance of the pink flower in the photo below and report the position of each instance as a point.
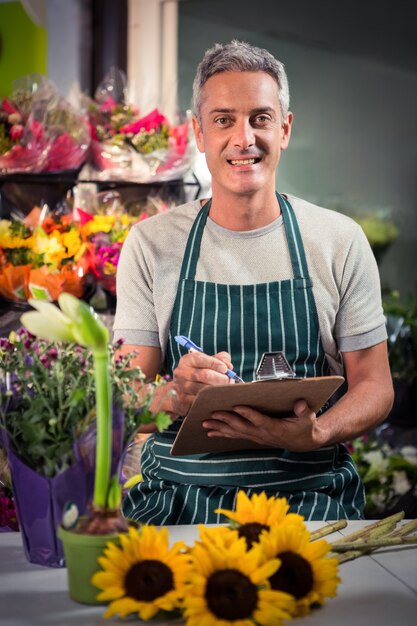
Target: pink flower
(154, 119)
(84, 216)
(16, 132)
(93, 132)
(178, 135)
(36, 128)
(108, 104)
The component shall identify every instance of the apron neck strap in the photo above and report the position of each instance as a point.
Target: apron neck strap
(192, 250)
(295, 243)
(292, 232)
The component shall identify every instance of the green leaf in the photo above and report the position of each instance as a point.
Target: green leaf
(114, 496)
(162, 421)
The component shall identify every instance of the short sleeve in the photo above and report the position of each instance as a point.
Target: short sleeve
(135, 319)
(360, 312)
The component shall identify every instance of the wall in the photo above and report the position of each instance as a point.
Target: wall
(22, 46)
(354, 140)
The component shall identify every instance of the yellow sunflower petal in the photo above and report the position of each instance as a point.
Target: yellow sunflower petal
(266, 571)
(105, 579)
(123, 607)
(110, 594)
(147, 610)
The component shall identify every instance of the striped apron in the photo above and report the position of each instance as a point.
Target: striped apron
(245, 320)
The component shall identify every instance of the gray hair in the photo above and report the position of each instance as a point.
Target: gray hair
(238, 56)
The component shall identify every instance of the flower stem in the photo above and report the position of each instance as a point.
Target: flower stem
(104, 430)
(380, 531)
(376, 529)
(405, 529)
(372, 544)
(328, 529)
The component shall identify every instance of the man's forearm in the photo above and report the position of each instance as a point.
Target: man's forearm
(358, 411)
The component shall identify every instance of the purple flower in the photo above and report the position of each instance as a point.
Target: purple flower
(6, 345)
(44, 359)
(53, 354)
(8, 513)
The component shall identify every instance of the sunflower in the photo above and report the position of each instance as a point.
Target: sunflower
(143, 575)
(229, 587)
(305, 571)
(257, 513)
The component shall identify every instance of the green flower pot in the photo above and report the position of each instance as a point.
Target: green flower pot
(81, 554)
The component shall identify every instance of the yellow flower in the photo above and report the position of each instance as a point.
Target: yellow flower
(305, 572)
(143, 575)
(259, 513)
(8, 240)
(228, 586)
(72, 242)
(50, 246)
(99, 224)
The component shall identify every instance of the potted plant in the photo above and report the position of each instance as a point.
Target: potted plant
(53, 386)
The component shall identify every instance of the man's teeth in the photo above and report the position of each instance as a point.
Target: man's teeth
(243, 162)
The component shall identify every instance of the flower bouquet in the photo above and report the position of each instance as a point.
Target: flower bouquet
(104, 235)
(41, 256)
(67, 414)
(130, 146)
(264, 567)
(39, 130)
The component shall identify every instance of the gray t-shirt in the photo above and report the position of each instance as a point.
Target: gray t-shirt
(342, 267)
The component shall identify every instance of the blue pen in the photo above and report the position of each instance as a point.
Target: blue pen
(192, 347)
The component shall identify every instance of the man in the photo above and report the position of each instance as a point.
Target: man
(247, 272)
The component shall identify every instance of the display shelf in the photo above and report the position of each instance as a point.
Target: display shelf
(22, 191)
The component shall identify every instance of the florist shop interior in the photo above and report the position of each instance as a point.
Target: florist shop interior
(95, 136)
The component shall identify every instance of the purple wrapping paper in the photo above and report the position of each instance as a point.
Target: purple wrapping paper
(40, 500)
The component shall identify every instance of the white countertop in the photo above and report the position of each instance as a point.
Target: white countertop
(380, 589)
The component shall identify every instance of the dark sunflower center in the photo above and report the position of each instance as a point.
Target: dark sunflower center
(148, 580)
(231, 595)
(251, 532)
(294, 576)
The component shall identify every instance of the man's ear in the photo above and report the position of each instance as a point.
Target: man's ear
(286, 131)
(198, 133)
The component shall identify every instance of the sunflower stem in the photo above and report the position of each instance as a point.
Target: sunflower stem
(373, 544)
(380, 527)
(104, 429)
(328, 529)
(405, 529)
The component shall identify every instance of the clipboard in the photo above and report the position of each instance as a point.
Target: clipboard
(274, 397)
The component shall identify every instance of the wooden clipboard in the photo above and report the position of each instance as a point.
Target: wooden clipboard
(273, 397)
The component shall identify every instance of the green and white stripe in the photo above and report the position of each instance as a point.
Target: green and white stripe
(245, 320)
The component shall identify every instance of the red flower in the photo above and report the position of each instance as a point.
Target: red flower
(84, 216)
(154, 119)
(7, 106)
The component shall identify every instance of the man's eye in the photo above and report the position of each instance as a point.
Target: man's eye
(221, 121)
(262, 119)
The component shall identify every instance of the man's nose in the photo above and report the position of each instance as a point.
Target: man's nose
(244, 136)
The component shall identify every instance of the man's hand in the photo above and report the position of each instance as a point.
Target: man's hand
(298, 433)
(195, 371)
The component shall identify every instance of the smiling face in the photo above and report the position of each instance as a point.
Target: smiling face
(242, 134)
